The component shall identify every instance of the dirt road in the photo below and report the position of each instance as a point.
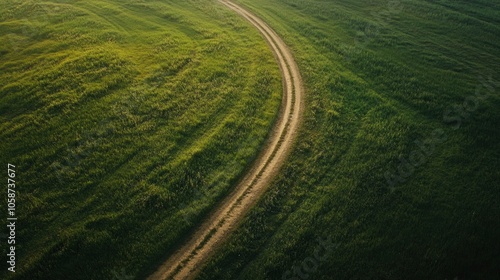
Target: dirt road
(185, 263)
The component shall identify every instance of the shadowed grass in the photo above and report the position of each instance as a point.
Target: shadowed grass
(380, 75)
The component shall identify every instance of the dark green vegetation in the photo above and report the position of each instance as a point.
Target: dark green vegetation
(380, 75)
(127, 121)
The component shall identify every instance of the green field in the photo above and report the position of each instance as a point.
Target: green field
(379, 76)
(127, 121)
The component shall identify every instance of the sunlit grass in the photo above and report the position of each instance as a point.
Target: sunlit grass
(128, 121)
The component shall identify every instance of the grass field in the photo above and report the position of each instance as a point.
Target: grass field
(127, 121)
(397, 172)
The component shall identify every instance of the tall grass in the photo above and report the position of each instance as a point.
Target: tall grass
(379, 76)
(128, 120)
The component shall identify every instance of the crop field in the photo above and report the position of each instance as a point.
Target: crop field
(127, 121)
(396, 174)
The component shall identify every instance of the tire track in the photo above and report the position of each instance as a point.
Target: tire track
(187, 261)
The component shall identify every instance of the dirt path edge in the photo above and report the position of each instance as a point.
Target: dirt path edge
(186, 262)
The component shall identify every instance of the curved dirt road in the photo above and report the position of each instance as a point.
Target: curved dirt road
(185, 263)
